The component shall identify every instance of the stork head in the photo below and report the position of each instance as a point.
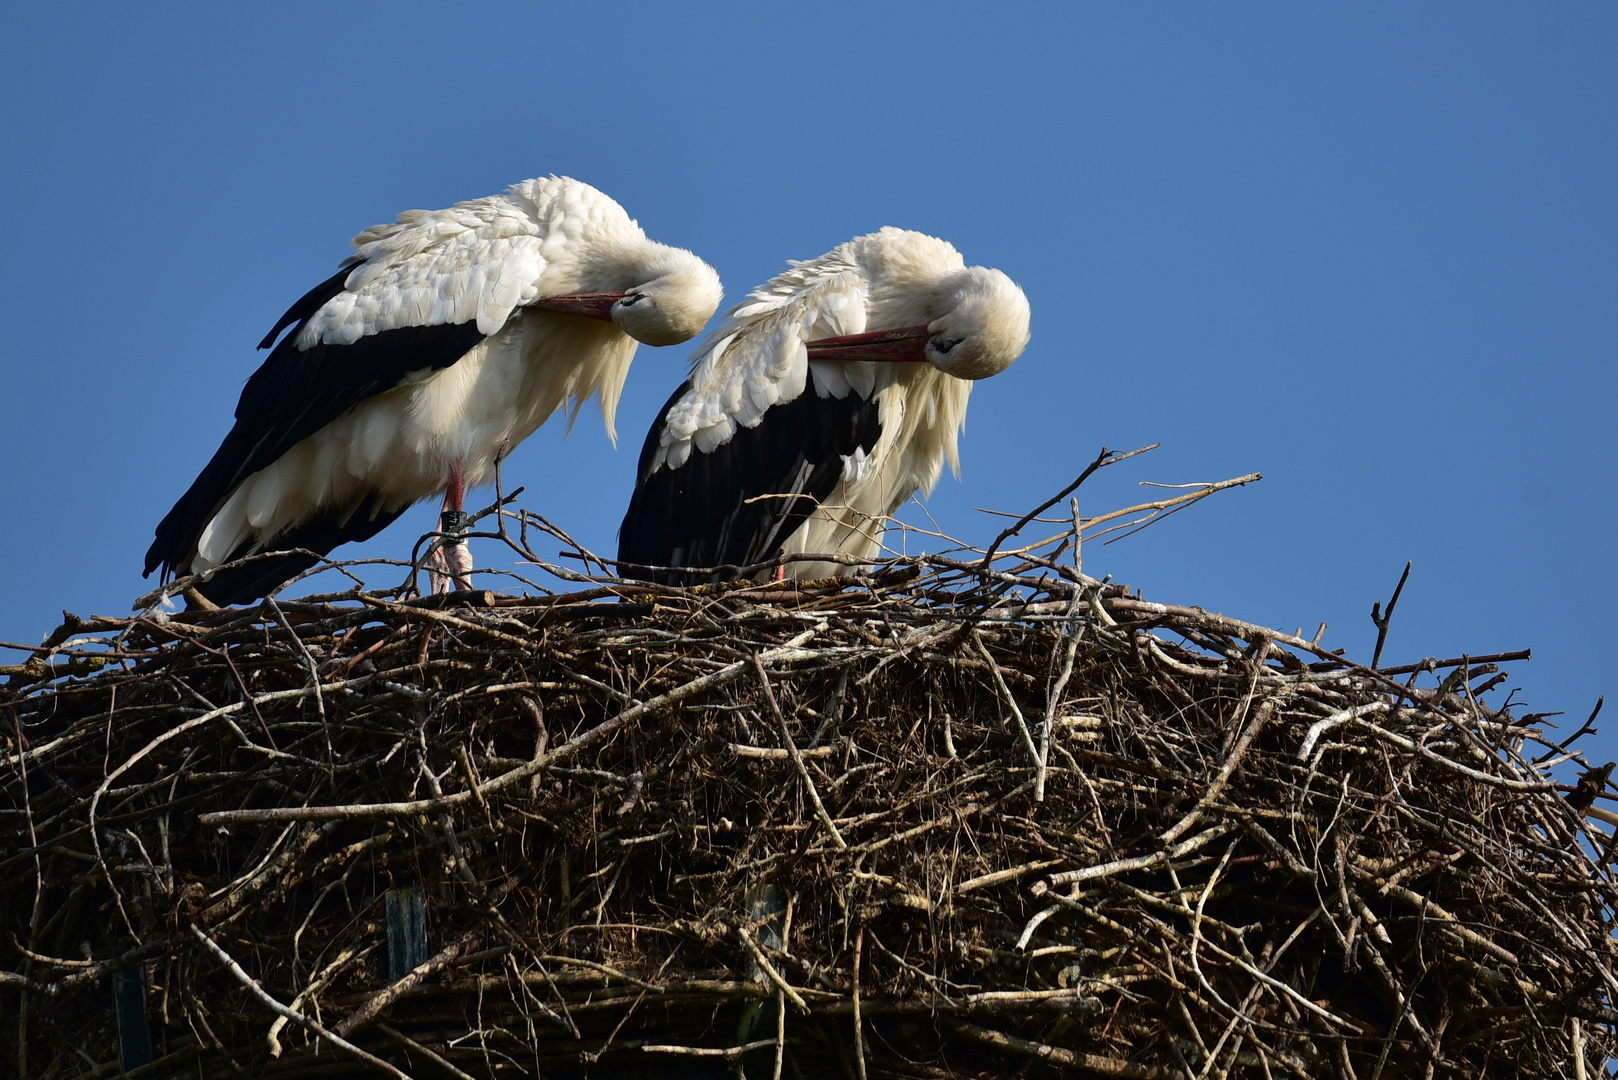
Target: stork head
(984, 326)
(657, 295)
(973, 321)
(670, 304)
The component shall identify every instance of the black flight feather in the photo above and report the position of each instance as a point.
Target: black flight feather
(240, 584)
(699, 515)
(294, 394)
(309, 303)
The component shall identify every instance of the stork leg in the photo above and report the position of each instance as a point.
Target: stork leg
(450, 566)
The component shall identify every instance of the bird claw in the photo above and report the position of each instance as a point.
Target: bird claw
(449, 568)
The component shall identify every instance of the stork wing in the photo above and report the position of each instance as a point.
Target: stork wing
(478, 260)
(415, 297)
(745, 450)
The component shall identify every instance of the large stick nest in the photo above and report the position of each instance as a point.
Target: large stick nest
(965, 817)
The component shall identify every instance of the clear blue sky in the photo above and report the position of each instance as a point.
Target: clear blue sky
(1368, 250)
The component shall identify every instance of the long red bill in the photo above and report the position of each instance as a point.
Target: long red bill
(591, 305)
(904, 346)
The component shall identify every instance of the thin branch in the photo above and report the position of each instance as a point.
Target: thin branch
(1382, 621)
(298, 1018)
(797, 761)
(1103, 459)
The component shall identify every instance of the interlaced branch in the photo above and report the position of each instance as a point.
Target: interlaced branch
(1014, 815)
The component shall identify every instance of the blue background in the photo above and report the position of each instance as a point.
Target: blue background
(1367, 250)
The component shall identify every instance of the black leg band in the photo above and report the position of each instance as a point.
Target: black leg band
(454, 524)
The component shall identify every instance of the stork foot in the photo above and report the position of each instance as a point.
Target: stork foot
(450, 568)
(450, 565)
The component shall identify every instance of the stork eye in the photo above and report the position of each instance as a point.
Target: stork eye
(631, 299)
(945, 346)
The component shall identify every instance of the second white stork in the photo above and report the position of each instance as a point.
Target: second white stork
(443, 341)
(822, 402)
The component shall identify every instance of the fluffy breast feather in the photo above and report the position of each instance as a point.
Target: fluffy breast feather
(396, 448)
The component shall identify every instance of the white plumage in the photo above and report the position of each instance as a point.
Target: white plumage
(448, 337)
(789, 437)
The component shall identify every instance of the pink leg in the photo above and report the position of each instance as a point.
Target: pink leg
(451, 565)
(456, 490)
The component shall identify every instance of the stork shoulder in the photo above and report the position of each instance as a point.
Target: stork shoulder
(757, 359)
(477, 260)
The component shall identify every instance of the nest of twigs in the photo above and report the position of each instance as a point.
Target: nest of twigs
(969, 815)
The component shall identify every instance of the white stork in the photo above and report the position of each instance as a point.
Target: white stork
(820, 404)
(444, 340)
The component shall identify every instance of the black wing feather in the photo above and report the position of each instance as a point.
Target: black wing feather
(241, 584)
(309, 303)
(294, 394)
(699, 516)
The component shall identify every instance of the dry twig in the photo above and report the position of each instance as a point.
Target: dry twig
(1234, 850)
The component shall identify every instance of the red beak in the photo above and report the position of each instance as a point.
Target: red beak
(907, 345)
(590, 305)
